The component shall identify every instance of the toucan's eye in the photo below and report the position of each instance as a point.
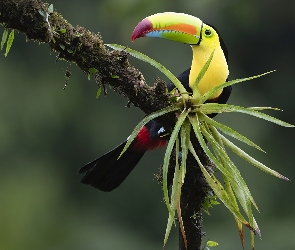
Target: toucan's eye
(208, 33)
(161, 131)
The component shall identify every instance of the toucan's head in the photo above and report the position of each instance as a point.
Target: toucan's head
(203, 39)
(177, 27)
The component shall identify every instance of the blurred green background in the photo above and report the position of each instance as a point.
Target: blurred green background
(48, 133)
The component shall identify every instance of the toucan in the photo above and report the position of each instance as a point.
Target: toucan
(108, 171)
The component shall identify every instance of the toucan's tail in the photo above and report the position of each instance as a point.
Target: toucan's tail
(108, 172)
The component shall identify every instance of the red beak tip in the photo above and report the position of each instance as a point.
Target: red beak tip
(133, 37)
(141, 28)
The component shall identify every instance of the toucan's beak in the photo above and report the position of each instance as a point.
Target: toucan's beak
(177, 27)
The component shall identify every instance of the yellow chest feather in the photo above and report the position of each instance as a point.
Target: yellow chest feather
(217, 72)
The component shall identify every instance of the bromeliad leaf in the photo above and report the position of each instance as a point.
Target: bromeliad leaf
(233, 174)
(223, 195)
(9, 42)
(178, 175)
(185, 138)
(229, 131)
(207, 95)
(209, 108)
(231, 194)
(250, 159)
(168, 152)
(151, 61)
(239, 186)
(175, 194)
(211, 179)
(4, 38)
(197, 130)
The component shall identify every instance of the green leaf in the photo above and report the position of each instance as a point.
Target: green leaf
(62, 46)
(220, 108)
(222, 194)
(9, 42)
(250, 159)
(185, 139)
(209, 202)
(245, 202)
(50, 8)
(233, 198)
(230, 192)
(62, 31)
(231, 171)
(42, 13)
(98, 91)
(252, 240)
(146, 120)
(4, 37)
(92, 70)
(175, 195)
(197, 130)
(211, 243)
(218, 189)
(168, 152)
(257, 230)
(207, 95)
(152, 62)
(263, 108)
(229, 131)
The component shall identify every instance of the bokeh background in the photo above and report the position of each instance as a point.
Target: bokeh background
(48, 133)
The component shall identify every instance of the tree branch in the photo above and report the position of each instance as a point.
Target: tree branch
(78, 45)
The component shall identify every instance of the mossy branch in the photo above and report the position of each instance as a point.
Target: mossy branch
(78, 45)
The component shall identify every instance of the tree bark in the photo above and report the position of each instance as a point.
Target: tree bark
(87, 50)
(193, 193)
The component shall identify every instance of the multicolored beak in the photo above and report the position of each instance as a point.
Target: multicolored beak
(173, 26)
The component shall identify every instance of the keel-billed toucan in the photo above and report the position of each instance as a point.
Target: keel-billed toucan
(108, 172)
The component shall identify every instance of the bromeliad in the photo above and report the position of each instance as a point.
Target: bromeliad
(109, 171)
